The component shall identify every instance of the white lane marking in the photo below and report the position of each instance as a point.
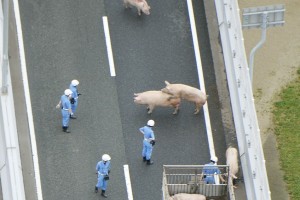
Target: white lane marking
(108, 46)
(201, 77)
(128, 182)
(28, 102)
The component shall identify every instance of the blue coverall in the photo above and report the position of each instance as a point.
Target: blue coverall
(75, 96)
(65, 106)
(209, 170)
(102, 168)
(148, 136)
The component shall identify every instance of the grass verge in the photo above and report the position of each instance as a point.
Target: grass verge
(287, 129)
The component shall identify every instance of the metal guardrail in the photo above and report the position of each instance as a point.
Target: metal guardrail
(189, 179)
(240, 88)
(4, 46)
(10, 163)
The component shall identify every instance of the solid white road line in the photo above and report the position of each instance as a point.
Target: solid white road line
(201, 77)
(108, 46)
(28, 102)
(128, 182)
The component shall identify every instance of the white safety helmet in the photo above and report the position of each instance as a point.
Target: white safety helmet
(75, 82)
(214, 159)
(68, 92)
(150, 122)
(105, 157)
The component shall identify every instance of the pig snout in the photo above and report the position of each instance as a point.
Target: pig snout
(146, 9)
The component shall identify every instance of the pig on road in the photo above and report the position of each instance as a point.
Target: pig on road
(186, 92)
(232, 162)
(141, 5)
(157, 98)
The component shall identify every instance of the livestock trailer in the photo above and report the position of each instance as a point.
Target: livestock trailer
(189, 179)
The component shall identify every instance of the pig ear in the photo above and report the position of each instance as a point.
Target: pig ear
(167, 83)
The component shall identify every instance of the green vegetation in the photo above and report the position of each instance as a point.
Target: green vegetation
(287, 129)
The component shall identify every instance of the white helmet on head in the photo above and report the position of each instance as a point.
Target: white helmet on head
(75, 82)
(105, 157)
(150, 122)
(214, 159)
(68, 92)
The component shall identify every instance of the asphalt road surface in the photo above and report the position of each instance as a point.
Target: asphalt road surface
(64, 40)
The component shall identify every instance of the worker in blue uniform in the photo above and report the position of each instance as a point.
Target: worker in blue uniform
(74, 98)
(210, 169)
(66, 110)
(148, 141)
(103, 169)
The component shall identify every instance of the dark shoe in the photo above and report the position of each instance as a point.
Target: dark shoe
(149, 162)
(65, 129)
(103, 194)
(144, 159)
(73, 117)
(96, 189)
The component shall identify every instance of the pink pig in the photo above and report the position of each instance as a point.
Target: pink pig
(157, 98)
(141, 5)
(183, 196)
(232, 162)
(186, 92)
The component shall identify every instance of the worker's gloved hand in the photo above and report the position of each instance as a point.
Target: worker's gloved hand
(108, 171)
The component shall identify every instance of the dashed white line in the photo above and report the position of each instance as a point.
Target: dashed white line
(128, 182)
(108, 46)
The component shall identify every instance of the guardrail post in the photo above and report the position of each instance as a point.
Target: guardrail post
(259, 44)
(262, 17)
